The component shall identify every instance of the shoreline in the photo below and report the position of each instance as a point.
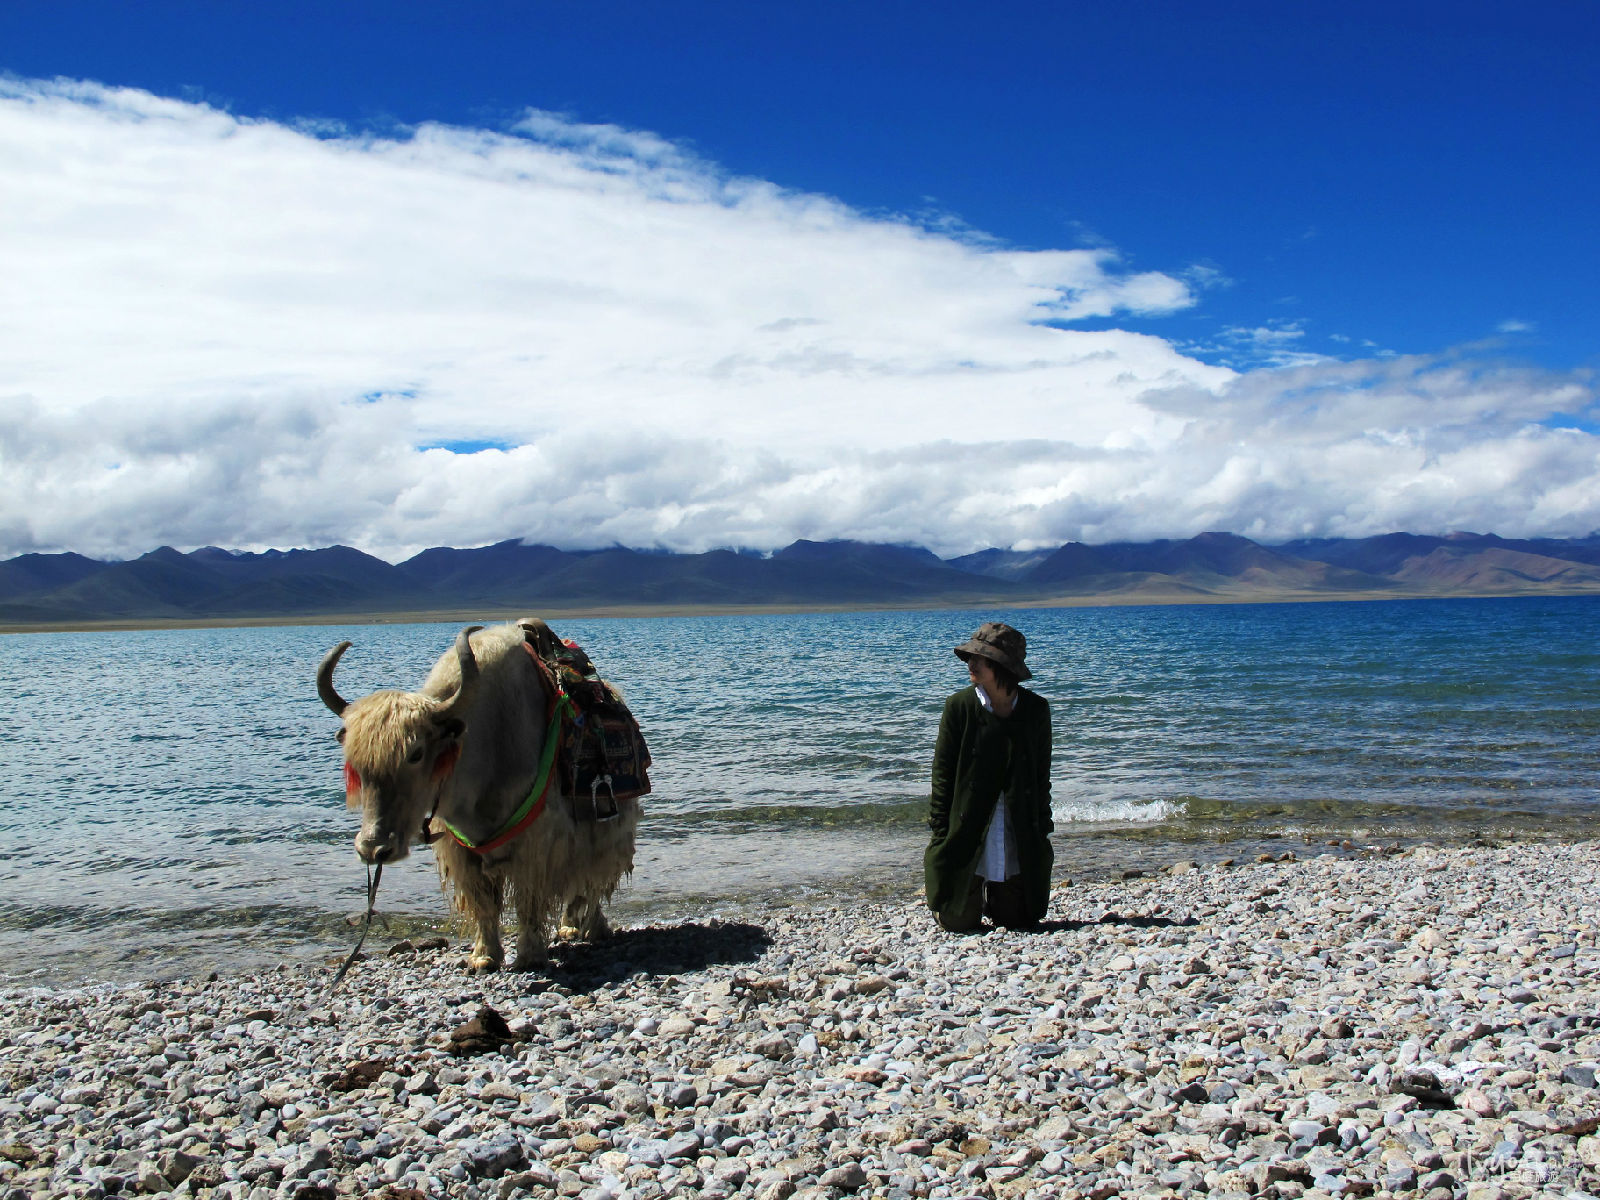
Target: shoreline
(882, 867)
(1132, 599)
(1390, 1025)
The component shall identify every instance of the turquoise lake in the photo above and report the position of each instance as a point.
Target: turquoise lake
(171, 801)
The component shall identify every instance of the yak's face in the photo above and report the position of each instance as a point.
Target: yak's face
(399, 748)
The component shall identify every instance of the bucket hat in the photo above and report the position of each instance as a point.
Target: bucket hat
(998, 643)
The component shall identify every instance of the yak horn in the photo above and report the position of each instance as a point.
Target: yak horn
(325, 687)
(469, 668)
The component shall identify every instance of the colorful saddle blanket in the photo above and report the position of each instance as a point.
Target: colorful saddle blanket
(601, 755)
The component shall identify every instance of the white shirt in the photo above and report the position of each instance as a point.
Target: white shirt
(999, 862)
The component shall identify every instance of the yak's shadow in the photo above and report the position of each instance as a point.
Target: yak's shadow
(654, 950)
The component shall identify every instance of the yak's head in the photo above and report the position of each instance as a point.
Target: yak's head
(399, 748)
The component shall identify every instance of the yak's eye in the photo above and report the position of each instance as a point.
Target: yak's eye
(416, 754)
(339, 737)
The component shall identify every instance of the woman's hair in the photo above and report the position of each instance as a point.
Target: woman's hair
(1003, 676)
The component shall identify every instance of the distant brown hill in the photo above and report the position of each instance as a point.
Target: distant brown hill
(215, 584)
(1494, 568)
(1209, 562)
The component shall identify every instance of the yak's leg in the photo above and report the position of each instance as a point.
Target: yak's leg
(487, 952)
(585, 920)
(478, 895)
(531, 950)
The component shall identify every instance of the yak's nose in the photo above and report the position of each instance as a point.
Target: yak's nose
(375, 849)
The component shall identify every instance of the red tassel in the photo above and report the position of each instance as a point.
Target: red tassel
(446, 762)
(352, 779)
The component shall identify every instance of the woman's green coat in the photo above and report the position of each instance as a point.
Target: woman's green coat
(978, 756)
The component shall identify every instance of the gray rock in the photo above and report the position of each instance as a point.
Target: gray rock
(849, 1176)
(262, 1168)
(1306, 1131)
(650, 1152)
(1430, 1081)
(773, 1045)
(493, 1158)
(1400, 1179)
(314, 1159)
(682, 1095)
(629, 1098)
(147, 1177)
(175, 1165)
(681, 1145)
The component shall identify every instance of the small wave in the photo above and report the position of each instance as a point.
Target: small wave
(870, 813)
(1141, 812)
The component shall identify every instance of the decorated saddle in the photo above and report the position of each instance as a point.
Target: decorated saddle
(601, 756)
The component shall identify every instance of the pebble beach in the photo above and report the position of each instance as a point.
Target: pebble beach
(1356, 1022)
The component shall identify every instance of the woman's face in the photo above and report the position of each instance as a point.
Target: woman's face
(981, 672)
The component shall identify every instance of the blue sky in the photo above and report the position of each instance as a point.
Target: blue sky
(1385, 208)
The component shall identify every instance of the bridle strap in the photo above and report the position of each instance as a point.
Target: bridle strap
(431, 835)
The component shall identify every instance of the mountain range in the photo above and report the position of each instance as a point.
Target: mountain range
(222, 585)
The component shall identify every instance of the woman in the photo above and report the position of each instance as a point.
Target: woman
(990, 809)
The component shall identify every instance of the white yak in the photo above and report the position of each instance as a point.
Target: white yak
(464, 752)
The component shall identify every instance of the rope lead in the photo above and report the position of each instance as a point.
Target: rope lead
(366, 924)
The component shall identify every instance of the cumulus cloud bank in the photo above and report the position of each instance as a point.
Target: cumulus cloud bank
(248, 333)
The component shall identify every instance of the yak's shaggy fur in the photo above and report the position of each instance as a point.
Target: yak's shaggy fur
(379, 731)
(561, 869)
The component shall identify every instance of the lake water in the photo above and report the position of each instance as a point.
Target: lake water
(171, 800)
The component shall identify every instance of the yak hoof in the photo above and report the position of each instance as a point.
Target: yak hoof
(482, 964)
(582, 924)
(595, 928)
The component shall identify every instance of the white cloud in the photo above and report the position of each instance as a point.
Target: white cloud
(1513, 325)
(1204, 276)
(1357, 448)
(241, 332)
(1245, 348)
